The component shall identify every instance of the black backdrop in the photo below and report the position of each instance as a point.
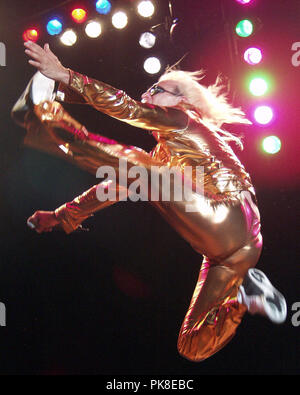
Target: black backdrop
(111, 300)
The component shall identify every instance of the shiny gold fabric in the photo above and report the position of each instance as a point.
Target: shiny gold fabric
(223, 224)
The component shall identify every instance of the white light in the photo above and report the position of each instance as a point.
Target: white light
(253, 56)
(271, 144)
(263, 114)
(152, 65)
(68, 38)
(119, 20)
(147, 40)
(63, 148)
(93, 29)
(146, 8)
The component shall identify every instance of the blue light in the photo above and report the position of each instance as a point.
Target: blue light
(103, 6)
(54, 27)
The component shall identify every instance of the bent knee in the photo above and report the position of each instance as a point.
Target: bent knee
(245, 257)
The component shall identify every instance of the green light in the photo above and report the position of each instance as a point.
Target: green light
(244, 28)
(271, 145)
(258, 86)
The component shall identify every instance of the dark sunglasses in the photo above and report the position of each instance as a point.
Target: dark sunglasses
(158, 89)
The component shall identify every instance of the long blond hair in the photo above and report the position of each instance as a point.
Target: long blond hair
(210, 104)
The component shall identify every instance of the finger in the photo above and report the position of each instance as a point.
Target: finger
(35, 49)
(33, 46)
(30, 223)
(35, 64)
(33, 221)
(47, 48)
(34, 55)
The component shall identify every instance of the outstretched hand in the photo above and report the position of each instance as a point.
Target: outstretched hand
(46, 62)
(43, 221)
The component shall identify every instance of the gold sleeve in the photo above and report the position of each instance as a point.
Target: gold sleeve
(119, 105)
(72, 214)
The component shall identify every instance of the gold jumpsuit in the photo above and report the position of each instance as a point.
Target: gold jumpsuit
(223, 225)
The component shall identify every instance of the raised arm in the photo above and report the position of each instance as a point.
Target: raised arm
(117, 104)
(103, 97)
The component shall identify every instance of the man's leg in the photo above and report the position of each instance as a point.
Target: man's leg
(213, 315)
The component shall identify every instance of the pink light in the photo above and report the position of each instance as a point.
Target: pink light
(244, 1)
(263, 115)
(253, 56)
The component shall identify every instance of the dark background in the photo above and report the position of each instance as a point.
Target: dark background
(111, 300)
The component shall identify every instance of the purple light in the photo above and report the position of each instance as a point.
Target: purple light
(253, 56)
(244, 1)
(263, 115)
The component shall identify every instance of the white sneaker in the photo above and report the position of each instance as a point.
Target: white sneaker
(42, 88)
(39, 89)
(260, 297)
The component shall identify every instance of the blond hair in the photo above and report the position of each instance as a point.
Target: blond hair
(209, 104)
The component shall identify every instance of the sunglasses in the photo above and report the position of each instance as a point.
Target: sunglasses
(158, 89)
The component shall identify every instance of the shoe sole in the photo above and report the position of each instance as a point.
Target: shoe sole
(273, 301)
(42, 88)
(32, 95)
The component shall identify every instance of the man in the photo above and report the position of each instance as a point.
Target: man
(222, 223)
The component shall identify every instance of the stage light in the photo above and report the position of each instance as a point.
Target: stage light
(79, 15)
(271, 144)
(31, 35)
(93, 29)
(253, 56)
(103, 7)
(69, 37)
(152, 65)
(54, 27)
(146, 8)
(258, 86)
(119, 20)
(147, 40)
(263, 115)
(244, 28)
(243, 1)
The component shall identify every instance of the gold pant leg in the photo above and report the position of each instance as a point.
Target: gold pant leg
(84, 149)
(213, 315)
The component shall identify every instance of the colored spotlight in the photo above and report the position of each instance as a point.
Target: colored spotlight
(119, 20)
(93, 29)
(271, 144)
(244, 28)
(263, 115)
(146, 8)
(147, 40)
(54, 27)
(103, 7)
(69, 37)
(243, 1)
(30, 35)
(79, 15)
(152, 65)
(258, 86)
(253, 56)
